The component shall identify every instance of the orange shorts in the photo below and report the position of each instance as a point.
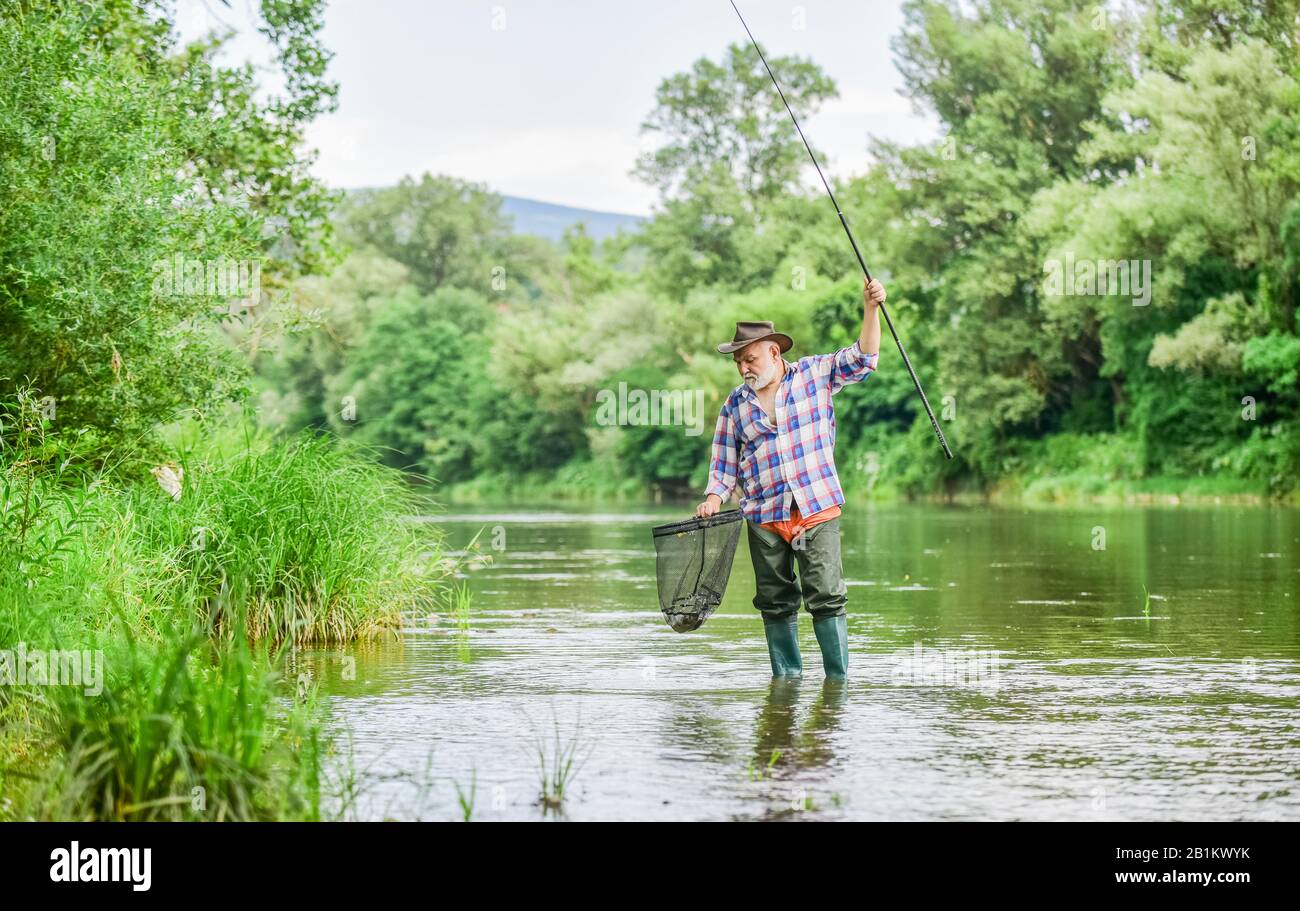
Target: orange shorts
(795, 526)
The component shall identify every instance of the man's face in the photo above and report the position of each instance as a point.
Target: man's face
(758, 363)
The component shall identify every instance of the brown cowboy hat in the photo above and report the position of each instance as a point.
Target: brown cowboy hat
(757, 331)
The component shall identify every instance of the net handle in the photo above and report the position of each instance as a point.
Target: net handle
(721, 518)
(704, 537)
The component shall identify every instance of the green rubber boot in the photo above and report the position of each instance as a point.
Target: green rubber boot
(783, 647)
(833, 637)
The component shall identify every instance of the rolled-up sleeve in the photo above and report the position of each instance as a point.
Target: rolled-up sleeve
(726, 455)
(848, 365)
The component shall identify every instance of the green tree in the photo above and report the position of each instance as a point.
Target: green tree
(728, 114)
(410, 385)
(417, 386)
(1208, 202)
(331, 313)
(728, 171)
(1014, 83)
(448, 232)
(132, 226)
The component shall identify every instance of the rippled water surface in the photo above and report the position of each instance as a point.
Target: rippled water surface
(1004, 665)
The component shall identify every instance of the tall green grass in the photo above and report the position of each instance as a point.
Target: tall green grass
(194, 602)
(305, 541)
(184, 730)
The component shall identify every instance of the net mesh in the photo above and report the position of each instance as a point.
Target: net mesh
(692, 562)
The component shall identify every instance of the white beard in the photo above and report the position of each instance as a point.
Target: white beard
(763, 379)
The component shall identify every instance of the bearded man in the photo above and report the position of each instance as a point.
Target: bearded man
(775, 441)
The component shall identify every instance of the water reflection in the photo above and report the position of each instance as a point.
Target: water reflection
(789, 753)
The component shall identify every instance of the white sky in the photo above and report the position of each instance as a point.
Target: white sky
(544, 98)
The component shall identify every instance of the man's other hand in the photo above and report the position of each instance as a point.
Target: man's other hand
(712, 503)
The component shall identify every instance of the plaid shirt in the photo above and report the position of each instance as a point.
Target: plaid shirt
(794, 461)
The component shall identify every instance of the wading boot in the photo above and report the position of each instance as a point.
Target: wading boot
(783, 647)
(833, 637)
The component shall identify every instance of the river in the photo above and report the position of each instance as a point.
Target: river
(1006, 664)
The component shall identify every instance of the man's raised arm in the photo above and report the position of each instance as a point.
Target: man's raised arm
(858, 361)
(873, 295)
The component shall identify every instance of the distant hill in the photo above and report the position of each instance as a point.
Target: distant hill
(549, 220)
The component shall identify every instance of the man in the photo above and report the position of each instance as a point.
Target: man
(775, 439)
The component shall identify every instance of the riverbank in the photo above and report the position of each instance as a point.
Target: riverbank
(585, 483)
(150, 614)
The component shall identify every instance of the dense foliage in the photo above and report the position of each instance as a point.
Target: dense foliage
(152, 203)
(1076, 138)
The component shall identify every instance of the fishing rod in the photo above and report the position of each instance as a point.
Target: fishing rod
(934, 422)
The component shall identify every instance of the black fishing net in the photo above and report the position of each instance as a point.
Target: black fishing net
(693, 560)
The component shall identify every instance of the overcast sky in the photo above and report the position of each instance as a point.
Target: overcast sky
(545, 98)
